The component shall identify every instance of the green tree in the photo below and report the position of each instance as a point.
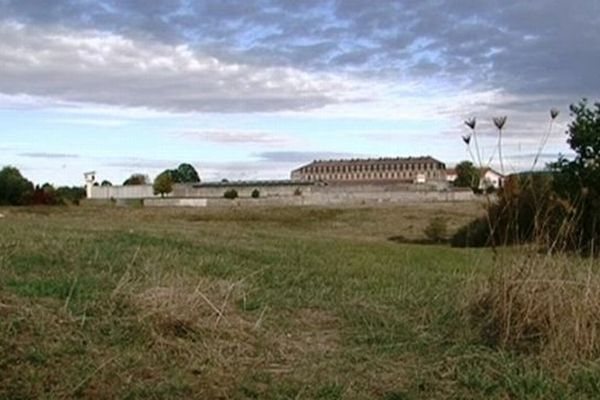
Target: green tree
(578, 180)
(106, 183)
(137, 179)
(466, 175)
(14, 188)
(163, 183)
(186, 173)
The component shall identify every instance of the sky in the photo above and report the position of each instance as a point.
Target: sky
(253, 89)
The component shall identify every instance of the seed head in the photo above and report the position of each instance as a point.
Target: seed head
(471, 122)
(554, 113)
(499, 122)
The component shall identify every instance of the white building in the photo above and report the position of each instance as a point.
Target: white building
(490, 178)
(487, 178)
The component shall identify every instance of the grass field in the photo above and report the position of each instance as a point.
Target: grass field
(286, 303)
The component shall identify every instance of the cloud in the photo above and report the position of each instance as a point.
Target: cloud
(544, 49)
(300, 156)
(107, 68)
(242, 137)
(422, 63)
(48, 155)
(101, 122)
(138, 163)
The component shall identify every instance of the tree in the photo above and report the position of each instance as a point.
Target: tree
(163, 183)
(14, 188)
(187, 174)
(466, 175)
(577, 181)
(137, 179)
(106, 183)
(255, 194)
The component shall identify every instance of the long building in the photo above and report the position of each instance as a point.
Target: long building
(401, 169)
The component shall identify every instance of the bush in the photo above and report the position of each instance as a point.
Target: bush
(15, 189)
(255, 194)
(72, 194)
(46, 195)
(475, 234)
(297, 192)
(558, 210)
(577, 181)
(231, 194)
(525, 211)
(437, 230)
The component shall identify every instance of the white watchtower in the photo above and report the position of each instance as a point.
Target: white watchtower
(90, 180)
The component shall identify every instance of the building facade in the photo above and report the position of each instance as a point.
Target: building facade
(407, 170)
(491, 178)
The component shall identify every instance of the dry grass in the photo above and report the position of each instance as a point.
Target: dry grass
(544, 304)
(204, 326)
(264, 303)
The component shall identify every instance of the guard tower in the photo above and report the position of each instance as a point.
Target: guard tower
(90, 180)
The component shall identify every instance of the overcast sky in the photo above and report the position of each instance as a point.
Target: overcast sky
(252, 89)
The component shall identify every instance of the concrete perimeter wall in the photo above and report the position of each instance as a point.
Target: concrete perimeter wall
(284, 194)
(122, 192)
(243, 190)
(292, 189)
(341, 199)
(171, 202)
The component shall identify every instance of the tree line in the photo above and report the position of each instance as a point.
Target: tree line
(16, 190)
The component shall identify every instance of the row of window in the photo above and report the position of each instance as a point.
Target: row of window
(325, 169)
(370, 175)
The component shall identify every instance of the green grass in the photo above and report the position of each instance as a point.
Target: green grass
(279, 303)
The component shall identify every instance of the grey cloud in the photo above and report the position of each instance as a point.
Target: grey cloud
(139, 163)
(547, 48)
(299, 156)
(48, 155)
(108, 69)
(241, 137)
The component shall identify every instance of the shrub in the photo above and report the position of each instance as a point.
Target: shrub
(437, 230)
(231, 194)
(297, 192)
(73, 194)
(255, 194)
(14, 188)
(475, 234)
(558, 209)
(525, 211)
(577, 181)
(46, 195)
